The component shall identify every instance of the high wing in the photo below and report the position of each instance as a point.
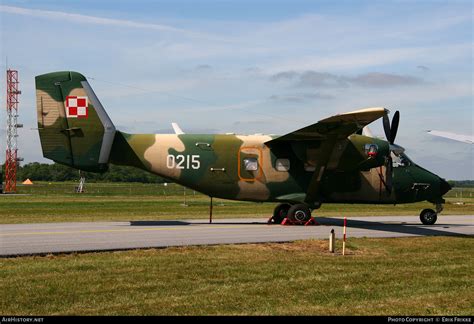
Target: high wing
(327, 131)
(338, 126)
(469, 139)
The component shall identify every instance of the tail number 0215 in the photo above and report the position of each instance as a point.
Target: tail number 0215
(183, 162)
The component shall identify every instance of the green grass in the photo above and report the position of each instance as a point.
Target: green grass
(57, 202)
(404, 276)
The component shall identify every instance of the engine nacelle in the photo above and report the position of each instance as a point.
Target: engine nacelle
(362, 153)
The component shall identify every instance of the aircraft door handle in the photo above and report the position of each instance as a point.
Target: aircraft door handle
(204, 146)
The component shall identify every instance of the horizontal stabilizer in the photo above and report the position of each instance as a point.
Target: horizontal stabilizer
(177, 129)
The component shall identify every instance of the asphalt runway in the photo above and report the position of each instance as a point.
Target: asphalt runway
(46, 238)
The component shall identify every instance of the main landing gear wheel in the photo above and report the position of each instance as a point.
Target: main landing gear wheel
(280, 212)
(428, 216)
(299, 213)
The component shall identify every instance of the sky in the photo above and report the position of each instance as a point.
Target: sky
(253, 66)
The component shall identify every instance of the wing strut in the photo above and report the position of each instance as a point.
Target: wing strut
(313, 195)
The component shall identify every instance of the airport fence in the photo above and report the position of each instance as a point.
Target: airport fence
(113, 189)
(455, 195)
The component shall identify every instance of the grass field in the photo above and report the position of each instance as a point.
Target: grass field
(404, 276)
(57, 202)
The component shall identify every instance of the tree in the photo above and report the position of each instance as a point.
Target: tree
(58, 172)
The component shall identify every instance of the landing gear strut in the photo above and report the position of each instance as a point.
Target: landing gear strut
(439, 208)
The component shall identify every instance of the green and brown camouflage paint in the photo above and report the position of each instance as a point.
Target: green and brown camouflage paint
(328, 161)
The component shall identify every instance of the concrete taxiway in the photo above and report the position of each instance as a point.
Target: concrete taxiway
(45, 238)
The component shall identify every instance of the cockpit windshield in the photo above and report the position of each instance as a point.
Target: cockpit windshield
(400, 160)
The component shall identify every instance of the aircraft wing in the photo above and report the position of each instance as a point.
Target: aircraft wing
(338, 126)
(329, 131)
(469, 139)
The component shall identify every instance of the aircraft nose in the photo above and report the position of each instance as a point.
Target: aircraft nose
(444, 186)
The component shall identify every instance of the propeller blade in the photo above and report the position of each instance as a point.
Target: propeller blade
(389, 174)
(391, 133)
(394, 127)
(386, 126)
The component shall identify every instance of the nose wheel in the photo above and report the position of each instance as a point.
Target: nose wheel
(428, 216)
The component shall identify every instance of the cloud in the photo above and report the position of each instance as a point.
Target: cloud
(286, 75)
(301, 97)
(314, 79)
(376, 80)
(318, 79)
(253, 70)
(310, 79)
(423, 68)
(370, 58)
(203, 68)
(86, 19)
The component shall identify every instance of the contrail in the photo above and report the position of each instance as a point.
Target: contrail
(78, 18)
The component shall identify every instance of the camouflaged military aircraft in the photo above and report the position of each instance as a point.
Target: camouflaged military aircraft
(331, 161)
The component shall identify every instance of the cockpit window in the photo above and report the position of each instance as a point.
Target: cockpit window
(400, 160)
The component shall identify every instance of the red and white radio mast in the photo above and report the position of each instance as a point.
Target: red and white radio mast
(12, 159)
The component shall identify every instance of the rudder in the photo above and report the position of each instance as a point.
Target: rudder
(74, 127)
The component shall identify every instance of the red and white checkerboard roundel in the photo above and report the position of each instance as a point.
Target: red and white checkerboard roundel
(76, 107)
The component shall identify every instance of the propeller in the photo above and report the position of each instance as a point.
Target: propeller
(390, 130)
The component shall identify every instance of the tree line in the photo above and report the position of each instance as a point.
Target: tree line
(461, 183)
(36, 171)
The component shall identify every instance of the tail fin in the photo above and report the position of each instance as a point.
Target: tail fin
(73, 126)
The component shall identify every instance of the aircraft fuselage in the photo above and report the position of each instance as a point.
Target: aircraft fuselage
(243, 167)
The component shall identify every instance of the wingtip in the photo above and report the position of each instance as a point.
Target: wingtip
(368, 110)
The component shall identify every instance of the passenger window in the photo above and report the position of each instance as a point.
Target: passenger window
(251, 164)
(282, 165)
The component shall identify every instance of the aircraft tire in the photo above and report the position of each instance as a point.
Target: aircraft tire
(299, 213)
(280, 212)
(428, 216)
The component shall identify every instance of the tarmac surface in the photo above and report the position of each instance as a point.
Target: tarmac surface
(47, 238)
